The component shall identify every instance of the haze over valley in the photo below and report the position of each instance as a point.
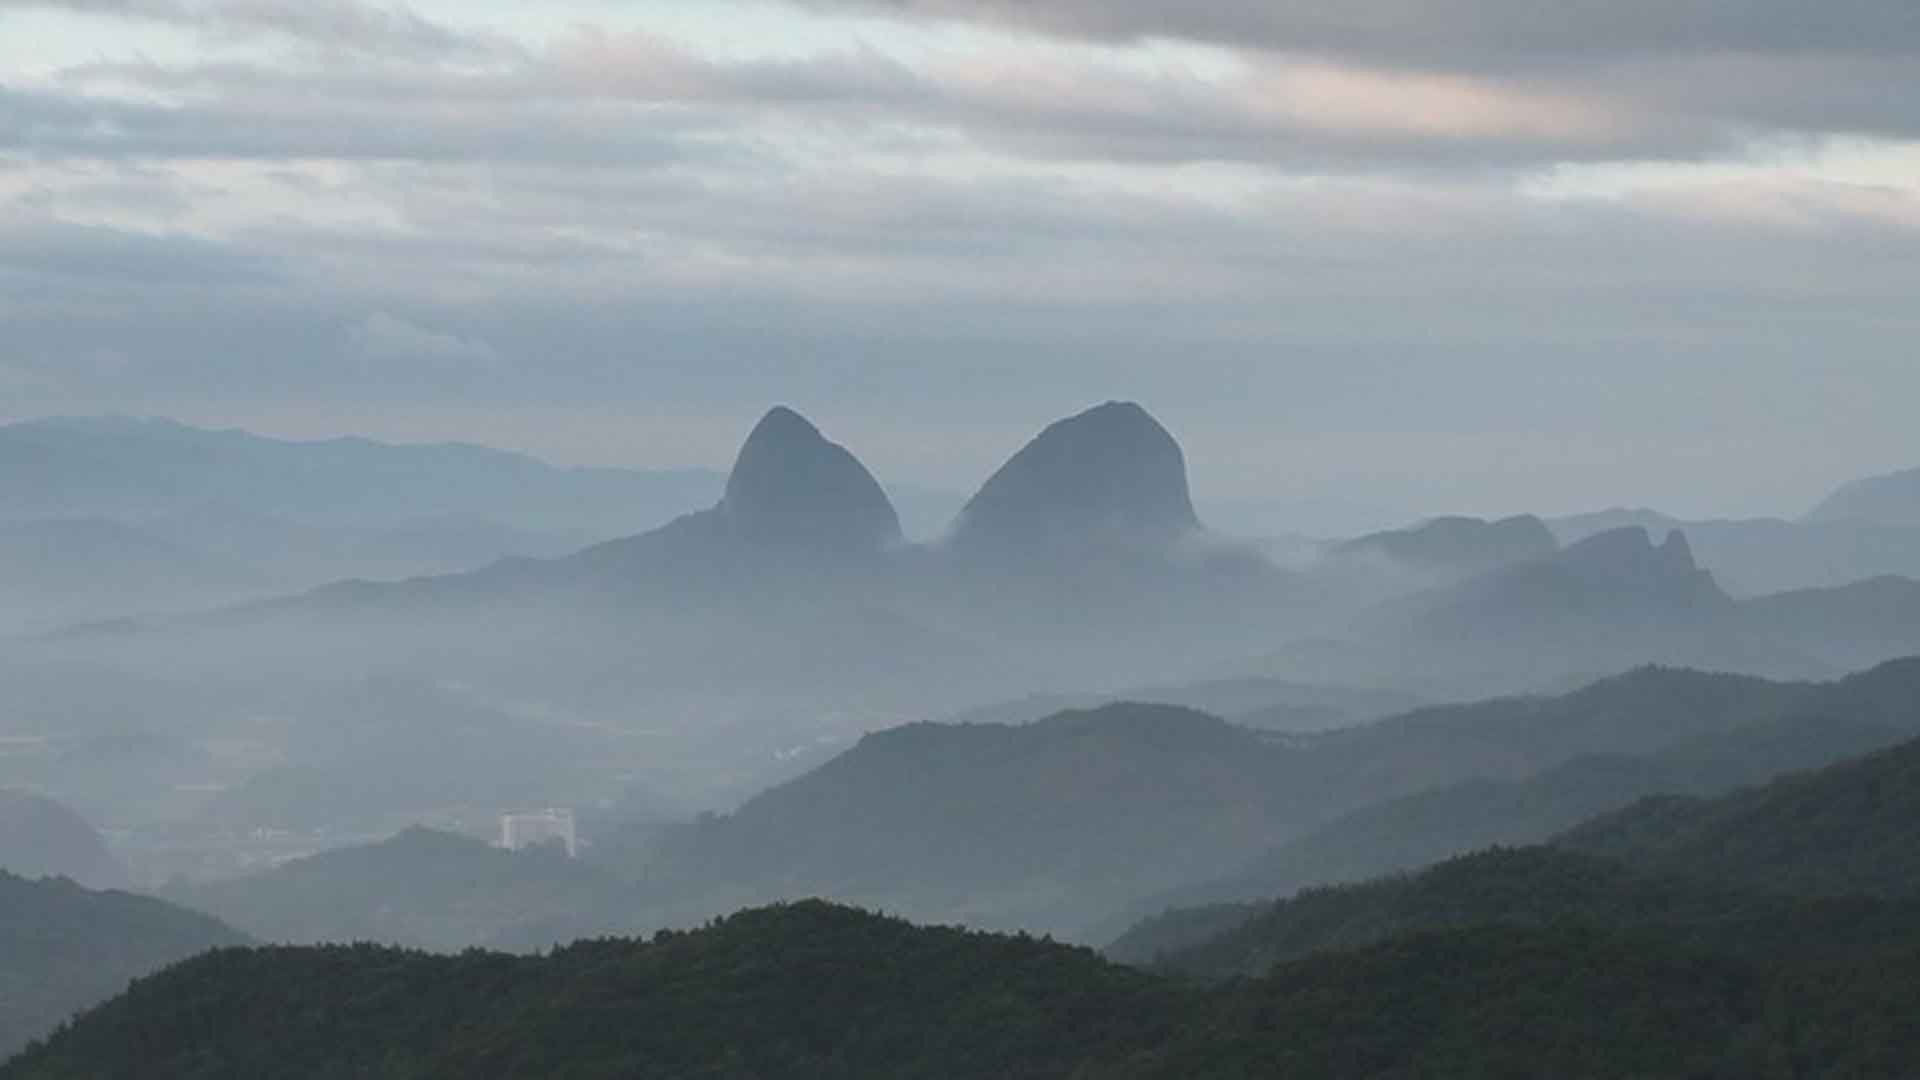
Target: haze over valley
(807, 539)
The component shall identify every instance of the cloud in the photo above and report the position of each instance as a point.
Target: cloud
(337, 25)
(382, 336)
(1479, 33)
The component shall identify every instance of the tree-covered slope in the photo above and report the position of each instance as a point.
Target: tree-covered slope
(1847, 828)
(1795, 726)
(807, 990)
(816, 991)
(64, 948)
(1525, 887)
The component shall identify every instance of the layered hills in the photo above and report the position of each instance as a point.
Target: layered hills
(1786, 726)
(1847, 829)
(64, 948)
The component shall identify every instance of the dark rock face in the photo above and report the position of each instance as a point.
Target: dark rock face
(792, 488)
(1111, 475)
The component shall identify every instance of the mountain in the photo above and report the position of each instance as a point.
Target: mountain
(1266, 704)
(126, 469)
(1787, 726)
(421, 888)
(64, 948)
(1530, 886)
(1458, 545)
(810, 991)
(1844, 829)
(1756, 556)
(1613, 578)
(41, 838)
(792, 487)
(1847, 626)
(1064, 823)
(1110, 477)
(1036, 826)
(1893, 499)
(1606, 603)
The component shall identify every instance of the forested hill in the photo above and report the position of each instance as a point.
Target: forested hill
(1848, 828)
(816, 991)
(1786, 727)
(64, 948)
(1523, 887)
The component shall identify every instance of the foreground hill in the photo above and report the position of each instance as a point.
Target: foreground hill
(64, 948)
(1527, 887)
(811, 990)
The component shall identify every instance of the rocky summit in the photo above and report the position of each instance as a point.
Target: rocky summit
(792, 487)
(1111, 475)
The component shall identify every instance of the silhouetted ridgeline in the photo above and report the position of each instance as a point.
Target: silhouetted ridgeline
(812, 990)
(1777, 728)
(64, 948)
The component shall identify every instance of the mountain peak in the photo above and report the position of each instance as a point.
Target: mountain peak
(1110, 473)
(791, 486)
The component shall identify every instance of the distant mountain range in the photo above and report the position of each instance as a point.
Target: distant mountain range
(111, 516)
(1893, 499)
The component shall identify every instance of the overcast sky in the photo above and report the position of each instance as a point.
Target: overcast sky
(1417, 255)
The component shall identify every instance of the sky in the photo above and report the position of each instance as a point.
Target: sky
(1400, 257)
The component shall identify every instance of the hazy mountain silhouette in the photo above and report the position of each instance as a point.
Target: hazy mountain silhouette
(1459, 545)
(422, 888)
(1032, 826)
(41, 838)
(1848, 626)
(1610, 602)
(1893, 499)
(1110, 477)
(120, 466)
(1845, 829)
(791, 487)
(1788, 726)
(1757, 556)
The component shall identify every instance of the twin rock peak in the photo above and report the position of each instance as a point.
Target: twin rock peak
(1109, 475)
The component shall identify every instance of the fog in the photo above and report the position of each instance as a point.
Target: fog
(726, 700)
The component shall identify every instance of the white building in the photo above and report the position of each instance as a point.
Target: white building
(530, 827)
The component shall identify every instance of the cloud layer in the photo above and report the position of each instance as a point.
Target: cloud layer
(917, 212)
